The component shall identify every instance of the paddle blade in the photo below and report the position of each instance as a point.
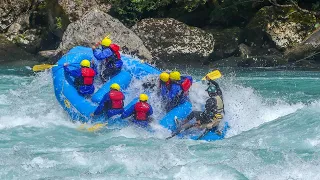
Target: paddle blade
(96, 127)
(42, 67)
(212, 75)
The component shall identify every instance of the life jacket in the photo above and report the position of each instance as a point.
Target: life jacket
(167, 84)
(214, 106)
(116, 55)
(87, 75)
(220, 105)
(141, 111)
(116, 98)
(185, 84)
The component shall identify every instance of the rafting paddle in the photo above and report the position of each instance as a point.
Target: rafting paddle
(181, 130)
(212, 75)
(94, 128)
(42, 67)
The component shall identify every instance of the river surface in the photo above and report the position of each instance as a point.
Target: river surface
(274, 134)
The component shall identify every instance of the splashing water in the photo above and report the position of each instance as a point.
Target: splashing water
(274, 119)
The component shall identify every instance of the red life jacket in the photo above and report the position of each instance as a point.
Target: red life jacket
(167, 84)
(88, 75)
(141, 109)
(186, 84)
(116, 98)
(115, 49)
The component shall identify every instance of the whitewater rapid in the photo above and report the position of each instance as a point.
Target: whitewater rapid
(274, 134)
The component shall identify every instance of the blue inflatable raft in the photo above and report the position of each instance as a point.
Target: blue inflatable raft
(80, 108)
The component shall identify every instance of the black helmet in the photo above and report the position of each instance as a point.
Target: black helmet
(211, 89)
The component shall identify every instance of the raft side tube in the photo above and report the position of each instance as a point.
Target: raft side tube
(138, 69)
(123, 79)
(66, 94)
(78, 107)
(181, 111)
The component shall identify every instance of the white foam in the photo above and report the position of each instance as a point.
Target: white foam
(204, 172)
(246, 109)
(32, 104)
(39, 162)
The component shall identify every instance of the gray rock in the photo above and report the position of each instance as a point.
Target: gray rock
(284, 26)
(24, 21)
(29, 40)
(10, 11)
(48, 53)
(14, 28)
(76, 8)
(244, 51)
(257, 61)
(9, 52)
(94, 26)
(226, 42)
(308, 49)
(50, 56)
(169, 39)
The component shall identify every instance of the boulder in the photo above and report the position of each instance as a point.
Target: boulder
(169, 39)
(51, 56)
(14, 29)
(309, 48)
(226, 42)
(29, 40)
(283, 26)
(94, 26)
(74, 9)
(10, 11)
(253, 61)
(244, 51)
(10, 52)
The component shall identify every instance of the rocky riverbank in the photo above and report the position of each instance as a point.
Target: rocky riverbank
(221, 33)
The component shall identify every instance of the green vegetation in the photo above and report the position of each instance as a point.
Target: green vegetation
(59, 22)
(19, 39)
(42, 5)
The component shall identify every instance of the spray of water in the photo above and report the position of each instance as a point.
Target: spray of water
(33, 97)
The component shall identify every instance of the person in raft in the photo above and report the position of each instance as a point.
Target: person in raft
(109, 54)
(84, 77)
(178, 89)
(163, 82)
(141, 111)
(213, 113)
(112, 102)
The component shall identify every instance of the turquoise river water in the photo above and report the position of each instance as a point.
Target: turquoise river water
(273, 114)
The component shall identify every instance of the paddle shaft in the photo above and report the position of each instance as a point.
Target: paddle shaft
(179, 131)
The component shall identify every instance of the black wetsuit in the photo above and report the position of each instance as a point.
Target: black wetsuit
(207, 114)
(210, 107)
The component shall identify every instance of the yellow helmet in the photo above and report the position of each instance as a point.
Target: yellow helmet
(175, 75)
(106, 42)
(115, 86)
(164, 76)
(143, 97)
(85, 63)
